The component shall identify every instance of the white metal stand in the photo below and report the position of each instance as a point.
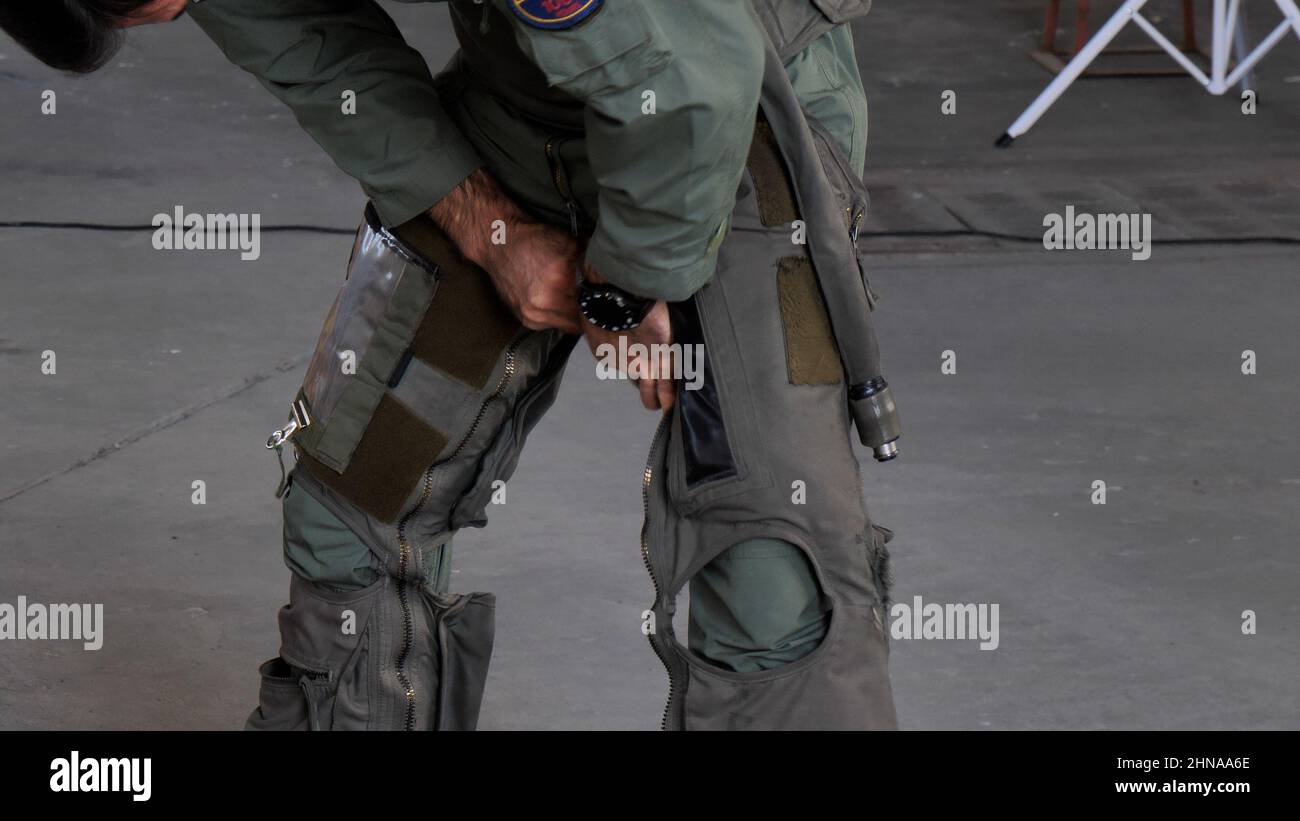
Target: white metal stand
(1218, 81)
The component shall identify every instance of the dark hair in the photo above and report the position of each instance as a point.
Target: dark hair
(73, 35)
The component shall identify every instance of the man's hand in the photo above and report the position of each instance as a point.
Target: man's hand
(658, 391)
(533, 270)
(158, 11)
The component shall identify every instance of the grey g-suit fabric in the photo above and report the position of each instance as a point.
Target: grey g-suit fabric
(783, 431)
(757, 464)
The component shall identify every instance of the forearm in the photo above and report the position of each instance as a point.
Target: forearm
(475, 210)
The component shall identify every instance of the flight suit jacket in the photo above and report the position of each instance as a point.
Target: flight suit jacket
(662, 94)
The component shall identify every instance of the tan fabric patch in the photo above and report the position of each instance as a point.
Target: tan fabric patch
(811, 356)
(772, 186)
(389, 461)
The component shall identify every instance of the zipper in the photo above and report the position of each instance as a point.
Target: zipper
(483, 21)
(833, 148)
(508, 373)
(404, 544)
(561, 181)
(646, 478)
(408, 628)
(856, 213)
(858, 208)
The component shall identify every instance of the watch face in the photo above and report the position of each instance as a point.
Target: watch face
(611, 309)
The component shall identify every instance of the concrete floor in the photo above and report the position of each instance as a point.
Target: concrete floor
(1072, 367)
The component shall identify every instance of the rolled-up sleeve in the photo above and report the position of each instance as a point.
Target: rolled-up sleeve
(399, 144)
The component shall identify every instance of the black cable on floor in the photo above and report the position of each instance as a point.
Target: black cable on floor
(321, 229)
(1038, 240)
(95, 226)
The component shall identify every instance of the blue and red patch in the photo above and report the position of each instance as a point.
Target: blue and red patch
(555, 14)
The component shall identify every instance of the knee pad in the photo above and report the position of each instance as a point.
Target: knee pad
(756, 607)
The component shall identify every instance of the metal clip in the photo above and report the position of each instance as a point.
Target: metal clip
(281, 436)
(301, 419)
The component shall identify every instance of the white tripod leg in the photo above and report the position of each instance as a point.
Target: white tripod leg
(1240, 44)
(1073, 69)
(1292, 13)
(1290, 24)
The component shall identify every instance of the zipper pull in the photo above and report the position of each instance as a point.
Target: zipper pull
(483, 21)
(561, 180)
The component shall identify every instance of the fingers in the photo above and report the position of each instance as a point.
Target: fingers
(158, 11)
(667, 391)
(561, 317)
(651, 365)
(534, 275)
(551, 303)
(569, 317)
(539, 319)
(660, 391)
(649, 396)
(561, 302)
(569, 326)
(543, 322)
(666, 385)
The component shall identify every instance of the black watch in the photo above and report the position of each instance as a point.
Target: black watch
(610, 308)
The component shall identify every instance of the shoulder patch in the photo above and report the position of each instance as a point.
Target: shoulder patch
(555, 14)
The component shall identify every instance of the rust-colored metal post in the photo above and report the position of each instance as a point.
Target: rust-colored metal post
(1081, 26)
(1049, 25)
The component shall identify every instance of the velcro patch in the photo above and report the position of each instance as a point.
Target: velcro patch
(555, 14)
(811, 356)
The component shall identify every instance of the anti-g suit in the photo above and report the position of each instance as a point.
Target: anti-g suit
(711, 155)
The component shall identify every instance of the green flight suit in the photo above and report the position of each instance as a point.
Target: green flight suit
(654, 194)
(662, 186)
